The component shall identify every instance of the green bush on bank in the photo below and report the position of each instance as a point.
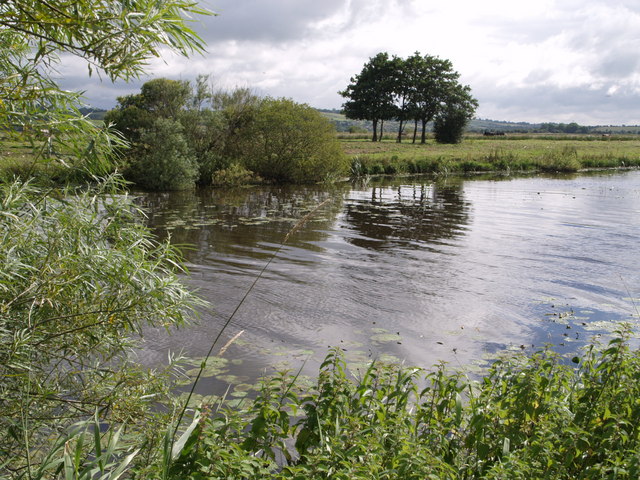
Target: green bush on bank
(183, 136)
(162, 159)
(292, 142)
(529, 417)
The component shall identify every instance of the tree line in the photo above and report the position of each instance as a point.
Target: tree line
(419, 89)
(181, 134)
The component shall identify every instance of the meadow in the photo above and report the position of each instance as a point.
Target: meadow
(477, 153)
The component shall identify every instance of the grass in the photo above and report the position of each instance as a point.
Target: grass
(513, 153)
(509, 154)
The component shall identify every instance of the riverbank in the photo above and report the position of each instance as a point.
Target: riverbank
(514, 153)
(528, 153)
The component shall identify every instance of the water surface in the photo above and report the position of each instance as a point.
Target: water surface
(412, 269)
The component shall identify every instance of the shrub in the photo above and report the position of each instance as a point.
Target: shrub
(163, 160)
(80, 278)
(291, 142)
(449, 126)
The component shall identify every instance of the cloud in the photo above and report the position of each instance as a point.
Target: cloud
(545, 60)
(264, 21)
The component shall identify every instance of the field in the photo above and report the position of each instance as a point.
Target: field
(477, 153)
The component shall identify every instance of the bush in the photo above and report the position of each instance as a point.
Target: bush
(449, 126)
(530, 417)
(80, 278)
(292, 142)
(163, 160)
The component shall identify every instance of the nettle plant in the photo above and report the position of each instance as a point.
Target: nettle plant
(536, 416)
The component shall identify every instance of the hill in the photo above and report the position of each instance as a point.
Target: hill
(480, 125)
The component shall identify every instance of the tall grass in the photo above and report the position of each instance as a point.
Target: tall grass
(508, 154)
(529, 417)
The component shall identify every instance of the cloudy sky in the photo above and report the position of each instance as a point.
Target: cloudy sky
(525, 60)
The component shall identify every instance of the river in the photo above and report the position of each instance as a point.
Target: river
(413, 270)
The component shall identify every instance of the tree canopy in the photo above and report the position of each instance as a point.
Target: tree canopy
(418, 88)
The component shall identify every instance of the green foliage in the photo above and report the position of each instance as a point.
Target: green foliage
(418, 88)
(162, 160)
(85, 453)
(238, 135)
(449, 125)
(370, 93)
(529, 417)
(116, 38)
(291, 142)
(80, 278)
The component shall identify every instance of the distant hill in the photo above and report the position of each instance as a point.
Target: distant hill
(480, 125)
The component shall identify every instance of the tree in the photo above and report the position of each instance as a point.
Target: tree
(432, 79)
(418, 88)
(163, 160)
(160, 157)
(370, 93)
(403, 86)
(114, 38)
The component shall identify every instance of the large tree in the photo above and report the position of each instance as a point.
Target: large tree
(371, 93)
(434, 81)
(417, 88)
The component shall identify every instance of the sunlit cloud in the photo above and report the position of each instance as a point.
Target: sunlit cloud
(547, 60)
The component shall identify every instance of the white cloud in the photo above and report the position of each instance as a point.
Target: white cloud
(545, 60)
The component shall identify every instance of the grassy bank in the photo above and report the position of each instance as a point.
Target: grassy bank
(508, 154)
(514, 153)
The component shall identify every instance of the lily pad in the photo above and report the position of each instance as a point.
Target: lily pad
(233, 379)
(386, 338)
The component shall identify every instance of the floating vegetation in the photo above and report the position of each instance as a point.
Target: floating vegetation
(214, 366)
(382, 335)
(233, 379)
(602, 326)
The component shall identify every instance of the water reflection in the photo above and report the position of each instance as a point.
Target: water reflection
(423, 270)
(400, 216)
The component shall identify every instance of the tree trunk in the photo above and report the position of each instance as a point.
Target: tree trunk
(400, 128)
(375, 130)
(415, 130)
(424, 131)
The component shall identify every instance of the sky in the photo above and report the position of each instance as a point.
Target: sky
(532, 61)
